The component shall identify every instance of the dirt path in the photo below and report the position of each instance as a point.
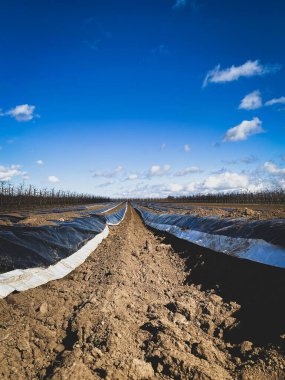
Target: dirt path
(129, 312)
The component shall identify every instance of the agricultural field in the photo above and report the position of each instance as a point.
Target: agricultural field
(142, 290)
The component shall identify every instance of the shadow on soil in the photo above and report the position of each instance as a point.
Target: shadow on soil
(258, 288)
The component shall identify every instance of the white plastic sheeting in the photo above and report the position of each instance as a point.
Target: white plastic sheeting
(24, 279)
(107, 208)
(257, 250)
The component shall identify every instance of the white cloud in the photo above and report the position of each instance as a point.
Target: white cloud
(245, 129)
(251, 101)
(226, 181)
(132, 177)
(119, 169)
(39, 162)
(157, 170)
(175, 187)
(186, 171)
(192, 187)
(223, 182)
(248, 69)
(53, 179)
(8, 172)
(272, 168)
(179, 4)
(186, 148)
(273, 101)
(108, 174)
(162, 146)
(23, 112)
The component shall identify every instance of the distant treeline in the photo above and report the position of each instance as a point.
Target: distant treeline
(263, 197)
(29, 196)
(12, 197)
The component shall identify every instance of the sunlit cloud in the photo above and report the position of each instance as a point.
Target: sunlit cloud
(274, 101)
(23, 112)
(272, 168)
(245, 129)
(233, 73)
(7, 173)
(251, 101)
(53, 179)
(158, 171)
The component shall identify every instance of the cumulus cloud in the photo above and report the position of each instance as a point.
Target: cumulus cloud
(272, 168)
(186, 171)
(158, 171)
(175, 187)
(9, 172)
(39, 162)
(251, 101)
(53, 179)
(119, 169)
(179, 4)
(226, 181)
(186, 148)
(245, 129)
(23, 112)
(273, 101)
(132, 177)
(108, 174)
(233, 73)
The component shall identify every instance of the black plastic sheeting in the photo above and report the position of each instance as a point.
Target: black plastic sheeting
(272, 231)
(115, 217)
(262, 240)
(79, 209)
(24, 247)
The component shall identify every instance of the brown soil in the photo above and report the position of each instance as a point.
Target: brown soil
(5, 223)
(254, 206)
(250, 212)
(240, 212)
(145, 306)
(49, 219)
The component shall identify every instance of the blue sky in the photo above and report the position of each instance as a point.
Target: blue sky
(143, 98)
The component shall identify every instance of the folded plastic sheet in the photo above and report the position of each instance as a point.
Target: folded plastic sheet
(84, 210)
(27, 247)
(116, 217)
(107, 208)
(24, 246)
(24, 279)
(261, 241)
(20, 280)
